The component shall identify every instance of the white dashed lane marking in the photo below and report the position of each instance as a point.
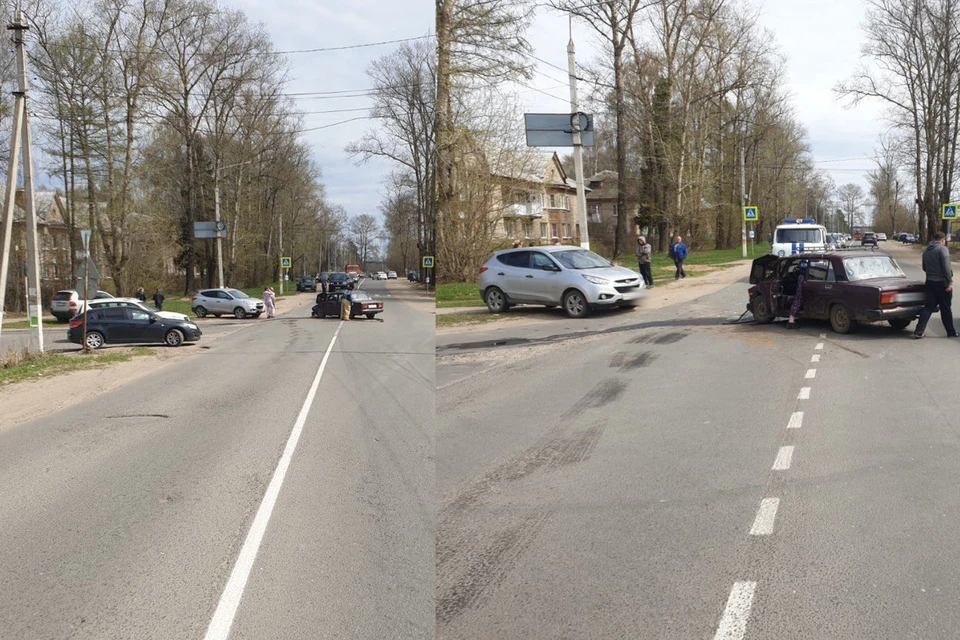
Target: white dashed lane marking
(784, 457)
(811, 373)
(796, 420)
(766, 515)
(819, 346)
(815, 357)
(804, 394)
(733, 624)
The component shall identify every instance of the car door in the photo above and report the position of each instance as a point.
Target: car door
(818, 289)
(511, 271)
(544, 284)
(113, 321)
(144, 326)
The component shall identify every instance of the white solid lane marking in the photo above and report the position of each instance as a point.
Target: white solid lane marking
(819, 346)
(784, 458)
(796, 420)
(766, 515)
(811, 373)
(219, 628)
(733, 624)
(815, 357)
(804, 394)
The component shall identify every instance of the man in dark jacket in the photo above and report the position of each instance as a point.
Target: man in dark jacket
(936, 264)
(158, 299)
(678, 253)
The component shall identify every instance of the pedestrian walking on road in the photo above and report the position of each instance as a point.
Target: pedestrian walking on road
(644, 255)
(141, 295)
(678, 253)
(158, 299)
(345, 307)
(939, 284)
(269, 301)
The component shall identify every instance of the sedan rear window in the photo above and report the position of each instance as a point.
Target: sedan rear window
(867, 267)
(63, 295)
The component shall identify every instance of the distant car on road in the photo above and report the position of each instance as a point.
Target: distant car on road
(845, 288)
(338, 281)
(218, 302)
(391, 275)
(306, 283)
(882, 237)
(361, 304)
(413, 276)
(133, 303)
(67, 303)
(574, 278)
(127, 325)
(836, 241)
(907, 238)
(381, 275)
(869, 239)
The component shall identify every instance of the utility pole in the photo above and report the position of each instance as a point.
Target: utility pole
(281, 253)
(216, 217)
(21, 133)
(743, 198)
(577, 146)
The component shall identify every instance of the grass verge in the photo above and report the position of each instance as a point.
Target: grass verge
(459, 294)
(17, 366)
(25, 324)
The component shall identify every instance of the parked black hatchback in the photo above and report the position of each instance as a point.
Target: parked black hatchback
(125, 325)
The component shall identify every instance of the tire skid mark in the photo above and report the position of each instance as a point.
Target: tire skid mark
(473, 559)
(660, 338)
(486, 566)
(605, 392)
(638, 361)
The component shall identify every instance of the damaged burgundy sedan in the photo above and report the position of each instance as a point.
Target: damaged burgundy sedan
(844, 287)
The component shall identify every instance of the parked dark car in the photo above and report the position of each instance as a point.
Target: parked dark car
(845, 288)
(413, 276)
(338, 281)
(868, 239)
(306, 283)
(361, 304)
(126, 325)
(907, 238)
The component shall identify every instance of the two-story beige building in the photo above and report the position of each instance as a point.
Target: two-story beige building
(539, 207)
(603, 212)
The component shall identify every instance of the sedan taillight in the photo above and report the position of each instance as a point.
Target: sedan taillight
(482, 269)
(888, 297)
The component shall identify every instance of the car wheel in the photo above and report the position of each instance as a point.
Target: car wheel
(761, 310)
(496, 300)
(239, 313)
(174, 338)
(900, 323)
(840, 319)
(202, 312)
(94, 340)
(575, 304)
(371, 316)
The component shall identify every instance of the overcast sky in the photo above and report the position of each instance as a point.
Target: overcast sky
(313, 24)
(821, 42)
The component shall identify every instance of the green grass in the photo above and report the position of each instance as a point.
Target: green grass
(25, 324)
(715, 257)
(19, 366)
(464, 294)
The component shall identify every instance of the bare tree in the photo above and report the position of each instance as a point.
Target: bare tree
(851, 199)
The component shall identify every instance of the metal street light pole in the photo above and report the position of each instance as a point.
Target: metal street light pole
(216, 215)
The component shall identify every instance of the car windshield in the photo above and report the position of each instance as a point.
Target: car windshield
(338, 276)
(236, 293)
(799, 235)
(867, 267)
(580, 259)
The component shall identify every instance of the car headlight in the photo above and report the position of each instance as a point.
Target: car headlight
(595, 279)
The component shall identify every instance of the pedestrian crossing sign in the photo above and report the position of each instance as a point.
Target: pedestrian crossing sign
(285, 262)
(949, 211)
(750, 214)
(428, 262)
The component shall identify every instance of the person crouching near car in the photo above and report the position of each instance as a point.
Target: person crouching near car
(644, 255)
(797, 303)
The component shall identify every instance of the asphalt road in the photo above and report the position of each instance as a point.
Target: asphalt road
(123, 517)
(677, 477)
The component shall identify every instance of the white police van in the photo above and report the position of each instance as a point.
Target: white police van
(797, 236)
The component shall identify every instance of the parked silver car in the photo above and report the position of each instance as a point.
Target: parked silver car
(577, 279)
(219, 302)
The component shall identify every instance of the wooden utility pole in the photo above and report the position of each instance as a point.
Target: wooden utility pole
(21, 134)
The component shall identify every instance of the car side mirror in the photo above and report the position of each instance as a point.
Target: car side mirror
(550, 267)
(153, 319)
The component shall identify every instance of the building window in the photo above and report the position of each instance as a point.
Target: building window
(555, 229)
(553, 201)
(615, 211)
(543, 229)
(508, 226)
(527, 229)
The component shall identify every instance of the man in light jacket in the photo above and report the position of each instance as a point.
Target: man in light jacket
(644, 254)
(939, 283)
